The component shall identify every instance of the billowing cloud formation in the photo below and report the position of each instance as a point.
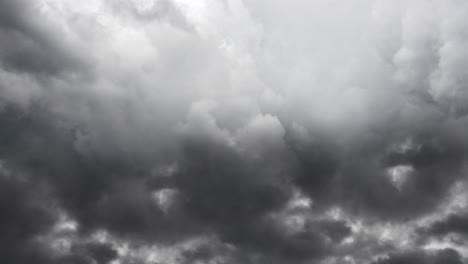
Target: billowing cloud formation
(176, 131)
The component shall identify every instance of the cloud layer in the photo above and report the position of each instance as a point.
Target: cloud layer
(176, 131)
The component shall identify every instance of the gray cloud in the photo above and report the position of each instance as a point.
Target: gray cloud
(30, 46)
(290, 132)
(440, 256)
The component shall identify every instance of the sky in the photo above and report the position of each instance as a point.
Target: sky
(233, 132)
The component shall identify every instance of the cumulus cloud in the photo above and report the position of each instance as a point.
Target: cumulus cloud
(236, 131)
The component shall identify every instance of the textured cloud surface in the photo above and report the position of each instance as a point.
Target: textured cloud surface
(235, 131)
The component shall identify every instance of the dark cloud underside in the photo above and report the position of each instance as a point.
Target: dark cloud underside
(174, 131)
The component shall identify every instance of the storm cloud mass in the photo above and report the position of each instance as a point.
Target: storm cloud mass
(233, 132)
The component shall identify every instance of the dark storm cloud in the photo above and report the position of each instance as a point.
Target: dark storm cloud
(217, 131)
(89, 253)
(444, 256)
(336, 230)
(30, 45)
(208, 252)
(359, 177)
(455, 223)
(22, 217)
(220, 191)
(99, 193)
(224, 174)
(233, 195)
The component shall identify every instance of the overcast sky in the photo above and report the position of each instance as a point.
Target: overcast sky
(233, 131)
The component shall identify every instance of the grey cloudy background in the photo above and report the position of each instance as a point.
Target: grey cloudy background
(233, 132)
